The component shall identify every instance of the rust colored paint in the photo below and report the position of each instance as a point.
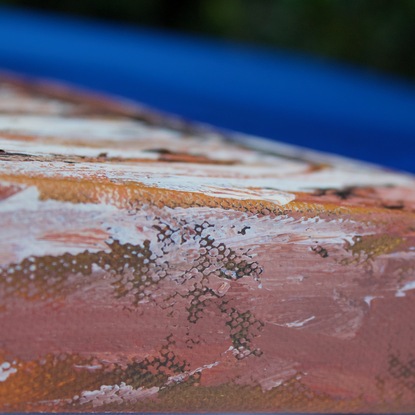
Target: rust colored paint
(151, 265)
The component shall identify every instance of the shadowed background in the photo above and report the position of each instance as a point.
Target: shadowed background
(284, 69)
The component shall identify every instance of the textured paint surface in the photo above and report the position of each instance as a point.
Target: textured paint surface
(149, 265)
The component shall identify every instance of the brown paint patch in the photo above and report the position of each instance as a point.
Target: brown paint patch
(171, 156)
(19, 137)
(7, 191)
(382, 197)
(63, 390)
(368, 247)
(129, 195)
(53, 377)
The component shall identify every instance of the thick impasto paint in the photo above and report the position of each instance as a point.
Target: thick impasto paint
(150, 265)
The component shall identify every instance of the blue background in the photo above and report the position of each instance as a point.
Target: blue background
(282, 96)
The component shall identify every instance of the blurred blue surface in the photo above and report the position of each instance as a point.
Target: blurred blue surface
(263, 92)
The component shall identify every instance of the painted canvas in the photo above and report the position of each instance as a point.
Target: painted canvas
(149, 264)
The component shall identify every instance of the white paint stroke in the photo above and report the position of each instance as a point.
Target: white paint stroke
(90, 129)
(299, 323)
(115, 394)
(185, 375)
(407, 287)
(369, 298)
(6, 369)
